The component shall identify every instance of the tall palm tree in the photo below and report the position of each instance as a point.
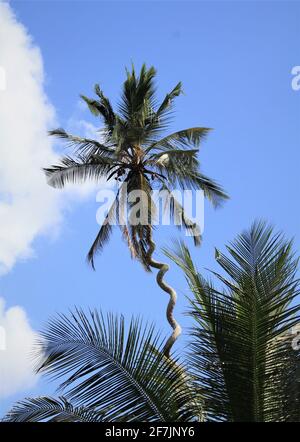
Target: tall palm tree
(240, 365)
(136, 152)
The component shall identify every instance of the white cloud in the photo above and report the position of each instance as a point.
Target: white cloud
(28, 206)
(79, 125)
(16, 365)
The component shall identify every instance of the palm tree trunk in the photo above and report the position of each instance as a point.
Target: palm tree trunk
(163, 268)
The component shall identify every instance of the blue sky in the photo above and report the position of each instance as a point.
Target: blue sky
(235, 60)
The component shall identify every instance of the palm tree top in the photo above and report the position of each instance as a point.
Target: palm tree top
(135, 150)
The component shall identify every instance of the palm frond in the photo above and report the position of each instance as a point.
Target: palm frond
(78, 170)
(162, 159)
(181, 139)
(158, 120)
(119, 372)
(179, 217)
(211, 189)
(82, 146)
(102, 107)
(138, 95)
(183, 170)
(238, 353)
(167, 102)
(106, 110)
(47, 409)
(105, 231)
(93, 105)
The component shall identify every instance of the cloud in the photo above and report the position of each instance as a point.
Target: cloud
(16, 342)
(79, 125)
(28, 207)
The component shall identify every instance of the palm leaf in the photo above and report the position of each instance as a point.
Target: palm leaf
(77, 171)
(179, 217)
(182, 170)
(158, 120)
(137, 96)
(238, 355)
(101, 107)
(181, 139)
(161, 159)
(83, 146)
(120, 373)
(105, 231)
(168, 100)
(106, 110)
(47, 409)
(211, 189)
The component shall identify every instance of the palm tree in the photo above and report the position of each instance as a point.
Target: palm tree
(135, 151)
(241, 353)
(240, 365)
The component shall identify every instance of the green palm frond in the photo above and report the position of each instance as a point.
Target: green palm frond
(101, 107)
(106, 110)
(158, 120)
(47, 409)
(183, 170)
(180, 139)
(240, 352)
(105, 231)
(167, 102)
(164, 158)
(115, 371)
(137, 99)
(176, 166)
(93, 105)
(179, 217)
(82, 146)
(78, 170)
(211, 189)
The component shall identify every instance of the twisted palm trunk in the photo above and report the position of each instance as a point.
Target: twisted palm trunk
(163, 268)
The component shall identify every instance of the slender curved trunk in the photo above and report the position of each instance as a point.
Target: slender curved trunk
(163, 268)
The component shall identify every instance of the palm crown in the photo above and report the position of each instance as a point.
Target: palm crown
(134, 150)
